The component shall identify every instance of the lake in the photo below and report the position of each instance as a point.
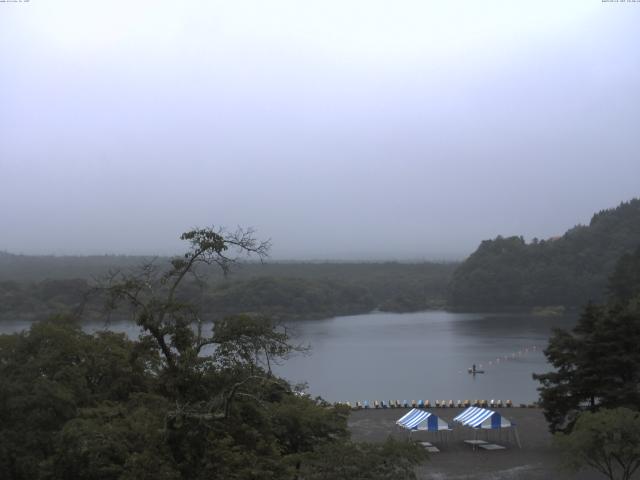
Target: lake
(424, 355)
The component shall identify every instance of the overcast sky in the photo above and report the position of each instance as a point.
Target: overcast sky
(340, 129)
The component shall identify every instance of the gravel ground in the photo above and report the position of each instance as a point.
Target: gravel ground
(456, 460)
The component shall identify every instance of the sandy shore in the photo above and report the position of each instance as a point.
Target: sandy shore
(456, 460)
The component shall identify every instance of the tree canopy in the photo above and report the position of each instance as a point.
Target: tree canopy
(569, 270)
(177, 403)
(607, 440)
(597, 364)
(35, 287)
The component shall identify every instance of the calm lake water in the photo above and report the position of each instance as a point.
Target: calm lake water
(425, 355)
(383, 356)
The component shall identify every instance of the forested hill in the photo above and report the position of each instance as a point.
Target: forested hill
(569, 271)
(35, 287)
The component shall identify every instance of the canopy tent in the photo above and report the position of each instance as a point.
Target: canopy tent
(477, 417)
(422, 420)
(485, 419)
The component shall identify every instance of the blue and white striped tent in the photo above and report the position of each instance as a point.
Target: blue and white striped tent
(477, 417)
(422, 420)
(488, 420)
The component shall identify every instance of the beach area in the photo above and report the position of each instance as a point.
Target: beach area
(536, 460)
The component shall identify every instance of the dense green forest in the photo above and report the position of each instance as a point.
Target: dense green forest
(591, 397)
(36, 286)
(568, 271)
(597, 363)
(101, 406)
(501, 273)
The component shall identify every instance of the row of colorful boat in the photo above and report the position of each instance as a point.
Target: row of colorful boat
(435, 404)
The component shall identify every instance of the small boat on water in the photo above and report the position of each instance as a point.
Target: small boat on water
(473, 372)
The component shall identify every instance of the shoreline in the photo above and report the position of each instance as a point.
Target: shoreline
(536, 460)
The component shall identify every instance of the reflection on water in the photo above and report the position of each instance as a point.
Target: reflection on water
(425, 355)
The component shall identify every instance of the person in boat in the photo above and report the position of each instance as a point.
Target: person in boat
(473, 368)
